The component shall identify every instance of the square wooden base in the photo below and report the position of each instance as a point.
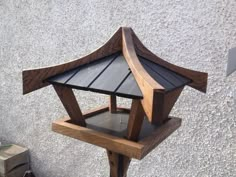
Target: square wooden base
(107, 130)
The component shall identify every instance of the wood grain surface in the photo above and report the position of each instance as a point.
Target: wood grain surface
(199, 79)
(131, 149)
(69, 102)
(33, 79)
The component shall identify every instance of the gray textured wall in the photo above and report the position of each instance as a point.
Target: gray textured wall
(195, 34)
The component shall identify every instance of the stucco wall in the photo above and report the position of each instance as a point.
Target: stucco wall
(195, 34)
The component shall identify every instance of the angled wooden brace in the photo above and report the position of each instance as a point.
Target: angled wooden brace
(157, 102)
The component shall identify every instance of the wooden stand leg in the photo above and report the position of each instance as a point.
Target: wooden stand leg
(112, 104)
(118, 164)
(69, 102)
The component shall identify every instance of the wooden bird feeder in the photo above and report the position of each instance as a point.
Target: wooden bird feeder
(122, 67)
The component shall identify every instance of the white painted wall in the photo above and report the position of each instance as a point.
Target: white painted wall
(195, 34)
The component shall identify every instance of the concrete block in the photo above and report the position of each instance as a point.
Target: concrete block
(14, 160)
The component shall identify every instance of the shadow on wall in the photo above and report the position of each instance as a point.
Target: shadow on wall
(231, 66)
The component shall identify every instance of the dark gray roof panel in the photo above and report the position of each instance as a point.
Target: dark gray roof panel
(113, 76)
(88, 73)
(159, 78)
(130, 86)
(166, 77)
(63, 78)
(107, 75)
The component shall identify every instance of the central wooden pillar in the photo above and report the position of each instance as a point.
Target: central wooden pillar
(119, 163)
(112, 104)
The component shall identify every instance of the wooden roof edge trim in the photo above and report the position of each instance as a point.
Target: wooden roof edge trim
(199, 79)
(132, 59)
(146, 83)
(33, 79)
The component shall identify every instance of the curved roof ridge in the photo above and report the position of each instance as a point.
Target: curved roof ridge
(199, 79)
(140, 74)
(158, 83)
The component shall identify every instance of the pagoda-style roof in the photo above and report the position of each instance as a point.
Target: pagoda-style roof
(122, 67)
(109, 75)
(112, 75)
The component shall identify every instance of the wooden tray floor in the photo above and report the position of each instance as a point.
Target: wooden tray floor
(116, 124)
(106, 131)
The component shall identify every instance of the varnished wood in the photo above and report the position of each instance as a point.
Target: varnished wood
(199, 79)
(119, 163)
(113, 158)
(135, 120)
(112, 143)
(123, 109)
(154, 93)
(159, 135)
(167, 78)
(157, 83)
(109, 75)
(33, 79)
(112, 103)
(137, 150)
(170, 100)
(95, 111)
(167, 74)
(163, 104)
(136, 67)
(146, 83)
(126, 41)
(126, 162)
(89, 113)
(158, 78)
(69, 102)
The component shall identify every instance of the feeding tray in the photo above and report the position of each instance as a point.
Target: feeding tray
(109, 130)
(122, 67)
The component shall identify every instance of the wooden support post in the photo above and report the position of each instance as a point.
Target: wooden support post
(112, 104)
(119, 163)
(69, 102)
(135, 120)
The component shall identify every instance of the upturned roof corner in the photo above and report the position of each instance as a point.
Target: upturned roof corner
(123, 66)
